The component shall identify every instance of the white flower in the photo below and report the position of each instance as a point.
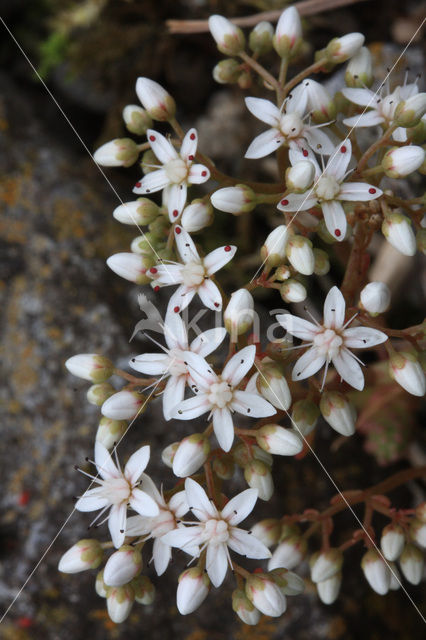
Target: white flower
(217, 531)
(331, 341)
(376, 571)
(193, 275)
(171, 363)
(392, 541)
(330, 190)
(176, 174)
(192, 590)
(219, 394)
(287, 127)
(116, 490)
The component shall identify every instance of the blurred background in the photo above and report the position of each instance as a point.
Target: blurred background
(58, 298)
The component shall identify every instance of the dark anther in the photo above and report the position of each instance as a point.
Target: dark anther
(242, 362)
(180, 412)
(235, 512)
(248, 410)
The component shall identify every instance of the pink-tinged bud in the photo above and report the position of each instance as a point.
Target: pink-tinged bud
(100, 587)
(304, 416)
(401, 161)
(122, 566)
(418, 532)
(326, 564)
(224, 466)
(168, 454)
(97, 394)
(243, 456)
(267, 531)
(341, 49)
(122, 152)
(110, 431)
(245, 609)
(406, 370)
(278, 440)
(138, 212)
(359, 72)
(376, 572)
(338, 412)
(273, 386)
(421, 512)
(328, 590)
(227, 71)
(273, 251)
(85, 554)
(392, 541)
(190, 455)
(289, 553)
(131, 266)
(192, 590)
(136, 119)
(300, 254)
(197, 216)
(409, 112)
(411, 562)
(123, 405)
(398, 232)
(320, 105)
(300, 176)
(290, 583)
(375, 298)
(144, 590)
(120, 602)
(282, 273)
(266, 595)
(90, 366)
(158, 103)
(236, 200)
(288, 33)
(229, 38)
(238, 315)
(258, 476)
(260, 39)
(293, 291)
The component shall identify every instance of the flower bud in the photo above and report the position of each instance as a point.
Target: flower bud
(137, 120)
(278, 440)
(197, 216)
(122, 152)
(304, 416)
(224, 466)
(320, 105)
(130, 266)
(148, 246)
(238, 315)
(341, 49)
(192, 590)
(267, 531)
(289, 553)
(401, 161)
(97, 394)
(409, 112)
(326, 564)
(144, 590)
(398, 232)
(300, 176)
(288, 33)
(168, 454)
(100, 587)
(242, 455)
(290, 583)
(338, 412)
(406, 370)
(235, 200)
(375, 298)
(421, 512)
(158, 103)
(229, 38)
(244, 608)
(120, 602)
(321, 262)
(266, 595)
(392, 541)
(418, 532)
(260, 39)
(90, 366)
(273, 386)
(149, 162)
(411, 562)
(85, 554)
(123, 405)
(293, 291)
(376, 572)
(138, 212)
(227, 71)
(258, 476)
(282, 273)
(300, 254)
(328, 590)
(122, 566)
(110, 431)
(190, 455)
(273, 250)
(359, 72)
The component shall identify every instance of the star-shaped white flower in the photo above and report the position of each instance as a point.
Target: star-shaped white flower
(330, 190)
(193, 276)
(117, 489)
(176, 174)
(220, 394)
(287, 127)
(216, 530)
(171, 362)
(331, 341)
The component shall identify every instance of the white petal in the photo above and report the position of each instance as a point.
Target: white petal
(104, 463)
(253, 405)
(153, 181)
(136, 464)
(298, 327)
(189, 145)
(152, 364)
(143, 504)
(223, 427)
(363, 337)
(148, 486)
(339, 160)
(334, 309)
(400, 134)
(162, 148)
(216, 563)
(297, 202)
(335, 219)
(183, 538)
(318, 140)
(198, 501)
(166, 274)
(239, 365)
(176, 200)
(237, 509)
(117, 524)
(198, 174)
(298, 101)
(369, 119)
(247, 545)
(161, 554)
(208, 341)
(363, 97)
(191, 408)
(348, 369)
(216, 259)
(173, 395)
(91, 501)
(308, 364)
(175, 331)
(186, 246)
(181, 299)
(200, 370)
(210, 295)
(264, 144)
(138, 526)
(264, 110)
(359, 191)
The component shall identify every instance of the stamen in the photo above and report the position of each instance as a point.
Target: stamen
(325, 375)
(350, 320)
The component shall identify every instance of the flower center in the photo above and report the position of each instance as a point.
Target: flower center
(328, 343)
(216, 532)
(163, 523)
(177, 366)
(220, 395)
(291, 125)
(118, 490)
(327, 188)
(176, 170)
(193, 274)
